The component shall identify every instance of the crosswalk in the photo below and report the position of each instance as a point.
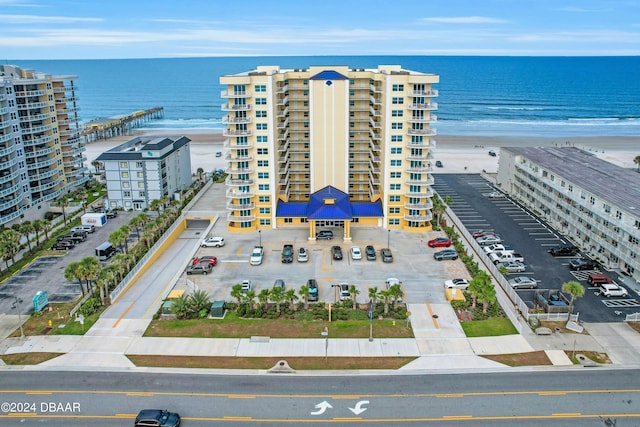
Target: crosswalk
(620, 303)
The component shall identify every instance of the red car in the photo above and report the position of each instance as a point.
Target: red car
(440, 242)
(210, 259)
(481, 233)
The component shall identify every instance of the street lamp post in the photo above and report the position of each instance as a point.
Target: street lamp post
(325, 334)
(17, 301)
(388, 238)
(370, 320)
(260, 235)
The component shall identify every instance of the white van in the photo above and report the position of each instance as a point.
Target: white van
(88, 228)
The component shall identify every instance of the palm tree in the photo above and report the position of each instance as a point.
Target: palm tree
(125, 230)
(636, 160)
(354, 293)
(277, 296)
(180, 307)
(118, 238)
(199, 301)
(478, 285)
(91, 268)
(236, 292)
(138, 222)
(107, 275)
(10, 245)
(573, 288)
(200, 171)
(26, 229)
(438, 209)
(291, 296)
(62, 202)
(123, 260)
(263, 298)
(46, 226)
(396, 293)
(38, 225)
(385, 295)
(96, 164)
(154, 205)
(250, 297)
(304, 294)
(487, 297)
(74, 271)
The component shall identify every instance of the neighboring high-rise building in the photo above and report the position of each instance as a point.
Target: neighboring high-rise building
(41, 146)
(146, 168)
(596, 204)
(329, 146)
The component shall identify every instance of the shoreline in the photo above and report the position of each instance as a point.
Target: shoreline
(458, 154)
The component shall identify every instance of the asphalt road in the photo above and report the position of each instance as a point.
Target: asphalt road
(586, 397)
(524, 232)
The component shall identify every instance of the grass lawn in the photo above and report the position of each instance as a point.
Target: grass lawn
(28, 358)
(493, 327)
(299, 363)
(233, 327)
(533, 358)
(61, 323)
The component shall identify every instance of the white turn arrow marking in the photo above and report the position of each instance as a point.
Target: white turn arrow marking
(359, 409)
(322, 406)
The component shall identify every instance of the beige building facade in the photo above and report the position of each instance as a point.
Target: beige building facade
(329, 146)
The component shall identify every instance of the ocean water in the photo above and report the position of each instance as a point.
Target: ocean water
(484, 96)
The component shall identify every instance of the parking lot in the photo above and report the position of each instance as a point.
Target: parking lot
(521, 230)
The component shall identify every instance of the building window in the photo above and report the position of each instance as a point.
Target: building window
(124, 164)
(265, 222)
(261, 113)
(138, 164)
(394, 187)
(397, 100)
(396, 125)
(265, 210)
(262, 138)
(261, 126)
(396, 113)
(394, 210)
(261, 101)
(141, 193)
(140, 174)
(606, 208)
(140, 184)
(126, 184)
(263, 187)
(618, 215)
(126, 193)
(263, 163)
(124, 174)
(288, 220)
(396, 138)
(263, 151)
(261, 88)
(263, 175)
(397, 88)
(396, 174)
(396, 162)
(394, 221)
(571, 188)
(394, 199)
(396, 150)
(264, 199)
(592, 200)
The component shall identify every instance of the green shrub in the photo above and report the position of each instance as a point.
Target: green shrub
(90, 306)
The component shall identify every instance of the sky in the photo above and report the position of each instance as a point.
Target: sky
(97, 29)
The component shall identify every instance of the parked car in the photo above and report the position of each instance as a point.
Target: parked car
(86, 228)
(312, 284)
(457, 284)
(449, 254)
(523, 282)
(612, 290)
(111, 214)
(496, 247)
(210, 259)
(336, 252)
(279, 283)
(215, 241)
(256, 255)
(63, 245)
(496, 195)
(324, 234)
(440, 242)
(564, 251)
(344, 291)
(598, 279)
(303, 255)
(157, 418)
(203, 268)
(247, 286)
(218, 153)
(371, 253)
(71, 237)
(391, 281)
(512, 266)
(582, 264)
(492, 153)
(355, 252)
(489, 239)
(482, 233)
(386, 255)
(287, 254)
(438, 164)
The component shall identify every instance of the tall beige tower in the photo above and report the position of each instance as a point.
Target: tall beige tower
(329, 146)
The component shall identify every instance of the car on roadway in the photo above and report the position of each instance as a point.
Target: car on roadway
(324, 234)
(523, 282)
(512, 266)
(312, 284)
(157, 418)
(355, 252)
(459, 283)
(488, 240)
(303, 255)
(279, 283)
(447, 254)
(612, 290)
(287, 254)
(336, 252)
(215, 241)
(203, 268)
(386, 255)
(582, 264)
(246, 286)
(256, 255)
(564, 251)
(344, 291)
(440, 242)
(371, 253)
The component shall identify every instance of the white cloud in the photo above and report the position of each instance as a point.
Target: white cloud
(39, 19)
(465, 20)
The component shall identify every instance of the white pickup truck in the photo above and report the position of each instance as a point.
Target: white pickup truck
(495, 248)
(504, 256)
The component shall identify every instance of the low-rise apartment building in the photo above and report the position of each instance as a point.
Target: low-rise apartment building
(594, 203)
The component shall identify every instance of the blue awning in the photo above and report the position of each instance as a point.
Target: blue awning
(329, 203)
(329, 75)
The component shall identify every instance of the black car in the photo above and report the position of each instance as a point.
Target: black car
(324, 234)
(111, 214)
(72, 237)
(287, 254)
(63, 245)
(336, 252)
(564, 251)
(157, 418)
(371, 253)
(583, 264)
(438, 164)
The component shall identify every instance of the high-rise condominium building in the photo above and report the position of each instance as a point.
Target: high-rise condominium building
(329, 146)
(41, 148)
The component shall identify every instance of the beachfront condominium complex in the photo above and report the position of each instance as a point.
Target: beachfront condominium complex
(41, 148)
(329, 146)
(596, 204)
(146, 168)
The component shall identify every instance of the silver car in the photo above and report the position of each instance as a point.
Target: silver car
(523, 282)
(512, 267)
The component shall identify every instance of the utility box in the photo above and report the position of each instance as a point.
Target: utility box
(40, 301)
(217, 309)
(95, 219)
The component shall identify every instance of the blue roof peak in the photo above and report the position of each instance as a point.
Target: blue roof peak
(329, 75)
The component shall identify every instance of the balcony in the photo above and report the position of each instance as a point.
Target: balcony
(420, 169)
(430, 119)
(282, 89)
(64, 100)
(10, 190)
(37, 129)
(430, 143)
(238, 182)
(244, 218)
(4, 124)
(236, 133)
(62, 89)
(236, 207)
(43, 175)
(44, 187)
(236, 107)
(428, 205)
(33, 117)
(423, 132)
(235, 94)
(428, 180)
(422, 193)
(283, 124)
(233, 194)
(9, 177)
(9, 163)
(22, 94)
(33, 106)
(431, 93)
(426, 106)
(374, 135)
(235, 171)
(232, 158)
(69, 132)
(5, 138)
(69, 110)
(418, 218)
(37, 153)
(236, 120)
(233, 145)
(374, 124)
(11, 203)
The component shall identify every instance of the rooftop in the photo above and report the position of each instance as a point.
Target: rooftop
(134, 148)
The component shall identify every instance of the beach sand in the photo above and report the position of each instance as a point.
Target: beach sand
(458, 154)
